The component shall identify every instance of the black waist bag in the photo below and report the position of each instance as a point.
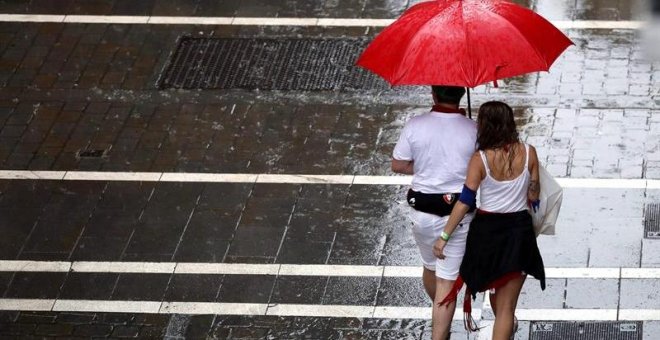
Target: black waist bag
(437, 204)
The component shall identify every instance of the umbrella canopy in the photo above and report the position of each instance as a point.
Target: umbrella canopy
(463, 43)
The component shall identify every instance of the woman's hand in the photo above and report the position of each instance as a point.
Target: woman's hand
(534, 204)
(439, 247)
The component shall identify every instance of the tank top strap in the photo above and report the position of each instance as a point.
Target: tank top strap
(485, 160)
(526, 156)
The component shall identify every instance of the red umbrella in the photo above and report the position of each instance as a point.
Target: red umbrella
(463, 43)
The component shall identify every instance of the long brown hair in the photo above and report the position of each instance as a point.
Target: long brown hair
(496, 129)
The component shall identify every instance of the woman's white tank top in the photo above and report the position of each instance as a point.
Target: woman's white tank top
(504, 196)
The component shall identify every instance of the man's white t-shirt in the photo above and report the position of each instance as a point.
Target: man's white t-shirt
(441, 145)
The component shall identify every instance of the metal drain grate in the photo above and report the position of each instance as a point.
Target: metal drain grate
(268, 64)
(652, 221)
(96, 153)
(614, 330)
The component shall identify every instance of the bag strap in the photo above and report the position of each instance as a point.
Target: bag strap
(485, 160)
(527, 156)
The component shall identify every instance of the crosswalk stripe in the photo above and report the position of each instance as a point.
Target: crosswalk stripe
(306, 310)
(219, 308)
(27, 304)
(291, 269)
(321, 311)
(227, 268)
(106, 306)
(586, 183)
(123, 267)
(566, 314)
(275, 21)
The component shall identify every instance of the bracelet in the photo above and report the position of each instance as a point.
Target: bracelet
(444, 236)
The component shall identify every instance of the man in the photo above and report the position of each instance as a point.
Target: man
(435, 148)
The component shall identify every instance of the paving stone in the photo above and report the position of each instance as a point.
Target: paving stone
(638, 294)
(17, 329)
(118, 223)
(254, 241)
(248, 333)
(650, 253)
(88, 286)
(246, 288)
(54, 329)
(400, 248)
(152, 332)
(141, 287)
(299, 250)
(92, 330)
(592, 293)
(351, 291)
(199, 326)
(119, 318)
(361, 334)
(69, 210)
(101, 248)
(5, 280)
(650, 329)
(201, 249)
(532, 297)
(35, 285)
(8, 316)
(76, 318)
(16, 226)
(219, 224)
(125, 331)
(395, 291)
(193, 288)
(36, 317)
(299, 289)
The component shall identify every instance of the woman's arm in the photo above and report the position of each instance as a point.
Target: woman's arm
(534, 185)
(476, 173)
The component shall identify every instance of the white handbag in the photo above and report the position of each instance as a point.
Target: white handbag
(545, 217)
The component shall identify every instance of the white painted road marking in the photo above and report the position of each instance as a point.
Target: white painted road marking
(123, 267)
(183, 177)
(336, 311)
(218, 308)
(291, 269)
(106, 306)
(270, 21)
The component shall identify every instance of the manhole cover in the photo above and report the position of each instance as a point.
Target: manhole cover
(615, 330)
(97, 153)
(652, 221)
(268, 64)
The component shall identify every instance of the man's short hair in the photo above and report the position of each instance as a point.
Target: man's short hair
(448, 94)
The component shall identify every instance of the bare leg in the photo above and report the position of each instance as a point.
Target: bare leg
(428, 278)
(442, 315)
(505, 306)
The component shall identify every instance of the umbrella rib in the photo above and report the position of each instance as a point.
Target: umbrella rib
(467, 49)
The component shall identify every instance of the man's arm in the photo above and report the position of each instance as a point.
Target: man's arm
(402, 167)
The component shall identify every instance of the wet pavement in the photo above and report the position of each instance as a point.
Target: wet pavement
(551, 9)
(87, 97)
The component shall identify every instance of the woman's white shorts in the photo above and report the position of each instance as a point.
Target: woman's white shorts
(426, 230)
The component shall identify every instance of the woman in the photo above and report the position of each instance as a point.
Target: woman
(501, 245)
